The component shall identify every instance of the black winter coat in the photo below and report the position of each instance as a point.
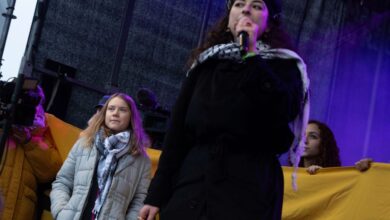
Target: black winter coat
(229, 124)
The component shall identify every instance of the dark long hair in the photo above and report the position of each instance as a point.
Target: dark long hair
(275, 36)
(329, 151)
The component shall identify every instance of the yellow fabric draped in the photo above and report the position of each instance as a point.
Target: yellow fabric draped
(341, 193)
(64, 134)
(338, 194)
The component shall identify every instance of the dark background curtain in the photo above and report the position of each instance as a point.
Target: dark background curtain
(345, 44)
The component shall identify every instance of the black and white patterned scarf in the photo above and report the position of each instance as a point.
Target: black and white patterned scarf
(231, 51)
(110, 150)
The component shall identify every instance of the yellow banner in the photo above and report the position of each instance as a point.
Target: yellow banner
(341, 193)
(332, 194)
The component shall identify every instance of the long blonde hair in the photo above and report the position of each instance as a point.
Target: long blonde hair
(139, 140)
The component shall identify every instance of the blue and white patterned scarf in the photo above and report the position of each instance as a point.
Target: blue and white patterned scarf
(110, 150)
(231, 51)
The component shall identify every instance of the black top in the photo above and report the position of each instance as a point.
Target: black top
(233, 109)
(91, 198)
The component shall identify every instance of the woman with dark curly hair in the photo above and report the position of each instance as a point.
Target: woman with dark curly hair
(231, 120)
(321, 149)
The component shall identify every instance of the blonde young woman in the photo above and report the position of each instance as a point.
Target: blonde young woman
(107, 172)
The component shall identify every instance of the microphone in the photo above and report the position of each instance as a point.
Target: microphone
(243, 40)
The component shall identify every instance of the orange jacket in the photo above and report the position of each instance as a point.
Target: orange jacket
(27, 165)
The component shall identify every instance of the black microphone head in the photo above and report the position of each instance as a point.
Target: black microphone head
(243, 40)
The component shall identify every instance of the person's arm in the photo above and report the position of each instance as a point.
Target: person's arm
(62, 187)
(279, 79)
(141, 191)
(277, 85)
(283, 78)
(175, 147)
(42, 155)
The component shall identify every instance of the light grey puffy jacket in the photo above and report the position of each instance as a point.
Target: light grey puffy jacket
(125, 197)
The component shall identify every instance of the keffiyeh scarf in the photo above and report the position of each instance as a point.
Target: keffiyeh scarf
(231, 51)
(110, 150)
